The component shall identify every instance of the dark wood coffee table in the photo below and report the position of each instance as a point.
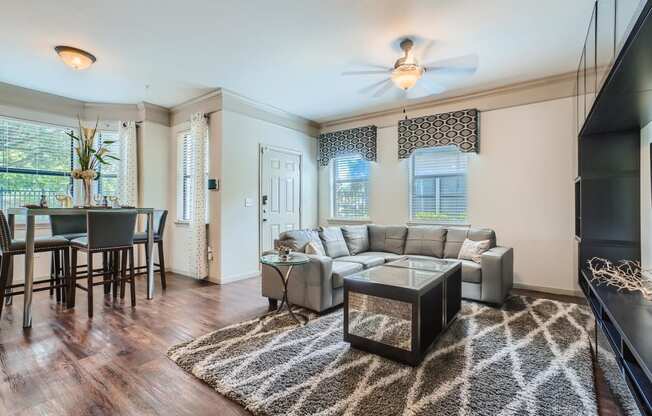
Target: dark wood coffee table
(398, 310)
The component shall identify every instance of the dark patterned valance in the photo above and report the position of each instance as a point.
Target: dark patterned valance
(361, 140)
(459, 128)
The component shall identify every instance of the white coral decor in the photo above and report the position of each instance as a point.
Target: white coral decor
(626, 275)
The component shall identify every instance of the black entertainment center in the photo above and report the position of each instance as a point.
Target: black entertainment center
(614, 101)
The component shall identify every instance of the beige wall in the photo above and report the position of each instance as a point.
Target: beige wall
(234, 159)
(520, 184)
(241, 137)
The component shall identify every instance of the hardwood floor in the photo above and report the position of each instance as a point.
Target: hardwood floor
(115, 364)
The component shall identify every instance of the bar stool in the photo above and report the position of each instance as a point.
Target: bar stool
(10, 247)
(68, 227)
(108, 232)
(160, 216)
(74, 226)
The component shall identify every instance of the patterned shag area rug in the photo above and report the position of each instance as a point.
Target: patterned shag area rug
(531, 357)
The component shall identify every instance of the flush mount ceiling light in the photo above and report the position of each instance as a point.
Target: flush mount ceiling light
(75, 58)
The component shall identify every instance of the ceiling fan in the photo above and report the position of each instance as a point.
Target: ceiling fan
(408, 72)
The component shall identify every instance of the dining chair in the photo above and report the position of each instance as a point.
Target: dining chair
(107, 232)
(160, 216)
(10, 247)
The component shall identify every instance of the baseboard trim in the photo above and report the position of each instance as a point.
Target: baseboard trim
(551, 290)
(235, 278)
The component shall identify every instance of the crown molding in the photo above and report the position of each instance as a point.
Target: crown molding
(232, 101)
(154, 113)
(527, 92)
(207, 104)
(56, 107)
(40, 102)
(223, 99)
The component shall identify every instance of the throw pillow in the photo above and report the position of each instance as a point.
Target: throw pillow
(333, 241)
(472, 250)
(357, 238)
(314, 248)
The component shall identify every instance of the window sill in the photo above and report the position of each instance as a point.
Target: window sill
(349, 220)
(442, 224)
(183, 223)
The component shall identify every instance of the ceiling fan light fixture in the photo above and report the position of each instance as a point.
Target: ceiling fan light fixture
(75, 58)
(406, 76)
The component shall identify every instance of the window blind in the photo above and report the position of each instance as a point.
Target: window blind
(350, 187)
(107, 184)
(35, 160)
(438, 189)
(186, 169)
(186, 176)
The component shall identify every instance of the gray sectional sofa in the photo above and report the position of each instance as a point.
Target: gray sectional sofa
(350, 249)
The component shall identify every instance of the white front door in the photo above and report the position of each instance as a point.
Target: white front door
(280, 200)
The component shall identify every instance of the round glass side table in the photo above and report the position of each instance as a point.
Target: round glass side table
(275, 261)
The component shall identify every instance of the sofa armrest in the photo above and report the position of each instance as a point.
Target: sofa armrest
(497, 274)
(310, 285)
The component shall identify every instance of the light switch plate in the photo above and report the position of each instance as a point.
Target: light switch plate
(249, 202)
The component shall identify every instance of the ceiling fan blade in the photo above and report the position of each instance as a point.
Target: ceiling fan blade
(370, 72)
(450, 70)
(366, 65)
(384, 88)
(426, 50)
(464, 61)
(370, 88)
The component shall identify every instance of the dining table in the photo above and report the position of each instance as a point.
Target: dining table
(30, 215)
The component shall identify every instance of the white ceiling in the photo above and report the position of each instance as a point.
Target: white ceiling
(286, 53)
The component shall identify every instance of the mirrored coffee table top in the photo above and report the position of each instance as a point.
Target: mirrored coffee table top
(398, 276)
(431, 265)
(292, 260)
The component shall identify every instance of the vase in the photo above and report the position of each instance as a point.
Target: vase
(87, 190)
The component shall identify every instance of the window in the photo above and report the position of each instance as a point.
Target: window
(350, 187)
(35, 160)
(107, 183)
(186, 176)
(185, 173)
(438, 185)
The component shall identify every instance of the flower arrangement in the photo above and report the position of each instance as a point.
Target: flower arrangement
(89, 157)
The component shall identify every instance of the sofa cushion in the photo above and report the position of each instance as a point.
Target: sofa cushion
(389, 238)
(298, 239)
(471, 272)
(356, 237)
(364, 259)
(342, 269)
(426, 241)
(384, 254)
(455, 237)
(333, 241)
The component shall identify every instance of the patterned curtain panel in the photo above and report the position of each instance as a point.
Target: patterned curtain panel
(128, 174)
(198, 247)
(361, 140)
(459, 128)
